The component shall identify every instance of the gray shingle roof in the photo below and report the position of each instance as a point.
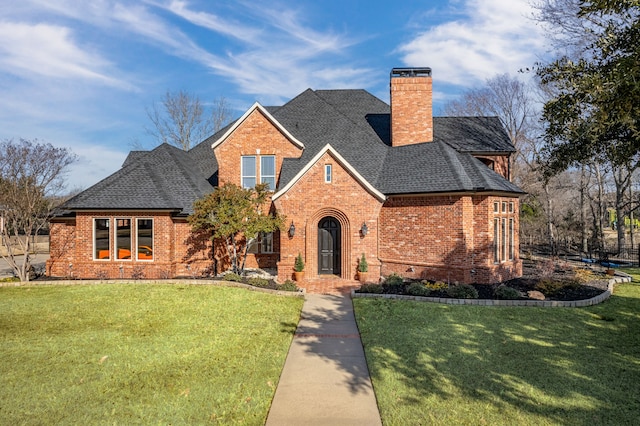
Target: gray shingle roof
(354, 122)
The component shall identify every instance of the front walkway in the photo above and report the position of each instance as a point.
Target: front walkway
(325, 380)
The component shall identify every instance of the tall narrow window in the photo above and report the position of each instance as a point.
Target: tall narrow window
(503, 245)
(101, 239)
(511, 239)
(328, 173)
(266, 243)
(268, 170)
(145, 239)
(496, 240)
(123, 238)
(248, 171)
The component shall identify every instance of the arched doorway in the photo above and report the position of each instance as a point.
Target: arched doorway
(329, 236)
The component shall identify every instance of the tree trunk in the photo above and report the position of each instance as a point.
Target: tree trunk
(550, 236)
(583, 214)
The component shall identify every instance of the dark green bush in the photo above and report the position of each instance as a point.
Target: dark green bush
(232, 277)
(462, 291)
(394, 283)
(507, 293)
(288, 285)
(418, 289)
(370, 288)
(258, 282)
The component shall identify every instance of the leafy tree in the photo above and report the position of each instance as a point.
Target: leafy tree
(594, 114)
(182, 120)
(237, 216)
(31, 174)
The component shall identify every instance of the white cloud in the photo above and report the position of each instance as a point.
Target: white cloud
(492, 37)
(44, 50)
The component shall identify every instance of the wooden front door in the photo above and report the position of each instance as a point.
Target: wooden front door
(329, 246)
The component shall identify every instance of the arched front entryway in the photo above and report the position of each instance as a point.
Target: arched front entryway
(329, 246)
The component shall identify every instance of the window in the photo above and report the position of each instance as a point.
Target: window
(101, 239)
(145, 239)
(327, 173)
(268, 170)
(262, 244)
(123, 238)
(248, 171)
(504, 231)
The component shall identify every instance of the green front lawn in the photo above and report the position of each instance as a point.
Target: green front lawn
(451, 365)
(141, 354)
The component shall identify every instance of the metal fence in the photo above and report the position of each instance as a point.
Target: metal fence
(626, 255)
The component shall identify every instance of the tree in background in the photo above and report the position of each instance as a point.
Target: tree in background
(237, 216)
(181, 119)
(593, 116)
(31, 175)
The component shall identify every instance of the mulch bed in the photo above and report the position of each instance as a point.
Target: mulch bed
(529, 281)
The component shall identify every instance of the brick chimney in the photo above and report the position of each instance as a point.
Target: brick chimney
(411, 106)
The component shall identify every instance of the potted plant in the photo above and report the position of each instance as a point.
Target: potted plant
(298, 268)
(363, 269)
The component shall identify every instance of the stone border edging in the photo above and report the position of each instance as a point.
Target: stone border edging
(621, 278)
(218, 283)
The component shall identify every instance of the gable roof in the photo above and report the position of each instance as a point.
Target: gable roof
(352, 125)
(328, 149)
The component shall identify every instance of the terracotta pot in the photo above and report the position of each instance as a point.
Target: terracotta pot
(362, 276)
(298, 276)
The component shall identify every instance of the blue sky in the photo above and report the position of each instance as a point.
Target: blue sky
(81, 74)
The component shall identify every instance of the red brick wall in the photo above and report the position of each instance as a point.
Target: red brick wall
(255, 133)
(500, 164)
(447, 238)
(174, 254)
(411, 110)
(309, 201)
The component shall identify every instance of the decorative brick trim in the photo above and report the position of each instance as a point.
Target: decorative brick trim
(621, 278)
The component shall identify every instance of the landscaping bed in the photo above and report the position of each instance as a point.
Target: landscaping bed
(541, 280)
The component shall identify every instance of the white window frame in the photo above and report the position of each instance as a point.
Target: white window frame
(95, 257)
(243, 174)
(153, 240)
(328, 173)
(266, 242)
(263, 176)
(115, 240)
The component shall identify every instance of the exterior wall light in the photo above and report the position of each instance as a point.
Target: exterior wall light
(364, 230)
(292, 230)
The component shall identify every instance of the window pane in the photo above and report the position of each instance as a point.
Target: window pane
(511, 239)
(145, 239)
(496, 240)
(101, 242)
(268, 170)
(327, 173)
(496, 208)
(503, 245)
(266, 245)
(249, 171)
(123, 238)
(253, 246)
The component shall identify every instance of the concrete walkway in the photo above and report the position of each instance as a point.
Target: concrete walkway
(325, 380)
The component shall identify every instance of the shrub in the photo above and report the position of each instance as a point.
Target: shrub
(299, 264)
(363, 266)
(418, 289)
(370, 288)
(462, 291)
(231, 276)
(549, 287)
(258, 282)
(584, 275)
(394, 283)
(507, 293)
(288, 285)
(546, 268)
(436, 286)
(9, 280)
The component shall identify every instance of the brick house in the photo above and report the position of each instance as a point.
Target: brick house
(420, 196)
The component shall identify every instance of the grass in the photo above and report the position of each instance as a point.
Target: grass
(132, 354)
(450, 365)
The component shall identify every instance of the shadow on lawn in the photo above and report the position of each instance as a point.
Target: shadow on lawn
(572, 366)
